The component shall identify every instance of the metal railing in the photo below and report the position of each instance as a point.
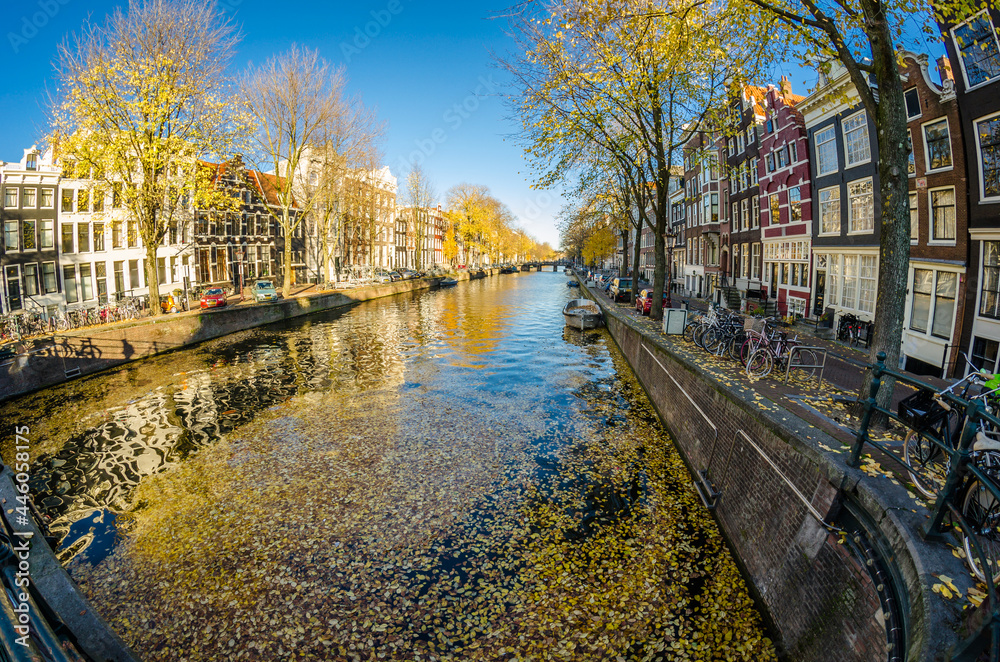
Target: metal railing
(961, 472)
(790, 363)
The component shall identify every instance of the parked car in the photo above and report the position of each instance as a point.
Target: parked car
(409, 274)
(395, 275)
(644, 303)
(263, 290)
(213, 298)
(621, 289)
(170, 303)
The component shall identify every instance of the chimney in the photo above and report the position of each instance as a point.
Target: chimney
(944, 69)
(785, 85)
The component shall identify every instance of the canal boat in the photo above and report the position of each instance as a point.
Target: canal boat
(582, 314)
(448, 282)
(572, 283)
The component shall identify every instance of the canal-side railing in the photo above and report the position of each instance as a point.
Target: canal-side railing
(961, 474)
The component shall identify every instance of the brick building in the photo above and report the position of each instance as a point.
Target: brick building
(704, 227)
(786, 201)
(938, 213)
(741, 192)
(973, 49)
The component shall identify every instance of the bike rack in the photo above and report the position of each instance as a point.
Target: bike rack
(791, 363)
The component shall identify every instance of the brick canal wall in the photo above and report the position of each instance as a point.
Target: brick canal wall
(86, 351)
(818, 594)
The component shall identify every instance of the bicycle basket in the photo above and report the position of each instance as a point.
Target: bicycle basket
(919, 411)
(755, 325)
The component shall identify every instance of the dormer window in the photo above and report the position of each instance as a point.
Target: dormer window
(31, 161)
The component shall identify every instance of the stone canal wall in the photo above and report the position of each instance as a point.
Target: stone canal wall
(85, 351)
(775, 483)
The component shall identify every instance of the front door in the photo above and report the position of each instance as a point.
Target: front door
(820, 292)
(14, 288)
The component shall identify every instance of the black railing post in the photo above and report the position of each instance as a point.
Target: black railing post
(866, 418)
(956, 472)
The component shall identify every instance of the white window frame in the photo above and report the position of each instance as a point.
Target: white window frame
(868, 144)
(920, 109)
(836, 156)
(840, 212)
(24, 198)
(17, 197)
(851, 230)
(927, 153)
(958, 50)
(979, 157)
(930, 216)
(912, 197)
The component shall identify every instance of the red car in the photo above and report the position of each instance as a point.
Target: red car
(213, 298)
(644, 302)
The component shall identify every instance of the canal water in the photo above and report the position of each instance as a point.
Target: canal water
(441, 475)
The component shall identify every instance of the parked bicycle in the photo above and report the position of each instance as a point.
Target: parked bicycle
(776, 353)
(936, 422)
(850, 329)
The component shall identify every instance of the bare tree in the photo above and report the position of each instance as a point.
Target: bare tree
(295, 100)
(141, 99)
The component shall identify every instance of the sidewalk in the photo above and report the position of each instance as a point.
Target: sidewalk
(826, 408)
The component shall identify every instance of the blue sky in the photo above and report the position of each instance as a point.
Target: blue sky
(425, 66)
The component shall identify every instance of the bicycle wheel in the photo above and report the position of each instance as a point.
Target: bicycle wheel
(699, 334)
(760, 364)
(981, 511)
(710, 341)
(928, 463)
(749, 346)
(689, 331)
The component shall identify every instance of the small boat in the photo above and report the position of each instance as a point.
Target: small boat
(582, 314)
(572, 283)
(448, 282)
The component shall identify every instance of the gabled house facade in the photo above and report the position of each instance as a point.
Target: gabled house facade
(938, 213)
(704, 229)
(973, 49)
(786, 202)
(846, 205)
(741, 191)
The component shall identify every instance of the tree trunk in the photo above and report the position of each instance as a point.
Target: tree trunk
(152, 279)
(894, 247)
(635, 259)
(623, 269)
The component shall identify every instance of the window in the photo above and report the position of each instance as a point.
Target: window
(69, 283)
(856, 146)
(28, 236)
(754, 212)
(86, 282)
(715, 207)
(988, 134)
(31, 279)
(912, 103)
(989, 300)
(861, 206)
(795, 204)
(67, 238)
(31, 162)
(10, 235)
(744, 214)
(826, 151)
(98, 196)
(793, 153)
(751, 135)
(116, 196)
(943, 215)
(911, 161)
(976, 42)
(914, 219)
(848, 293)
(83, 238)
(47, 239)
(769, 126)
(30, 198)
(782, 156)
(83, 201)
(67, 200)
(984, 354)
(739, 142)
(102, 281)
(99, 237)
(770, 162)
(49, 277)
(920, 308)
(754, 173)
(755, 261)
(944, 303)
(829, 210)
(10, 197)
(119, 279)
(774, 210)
(133, 274)
(938, 145)
(132, 230)
(47, 198)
